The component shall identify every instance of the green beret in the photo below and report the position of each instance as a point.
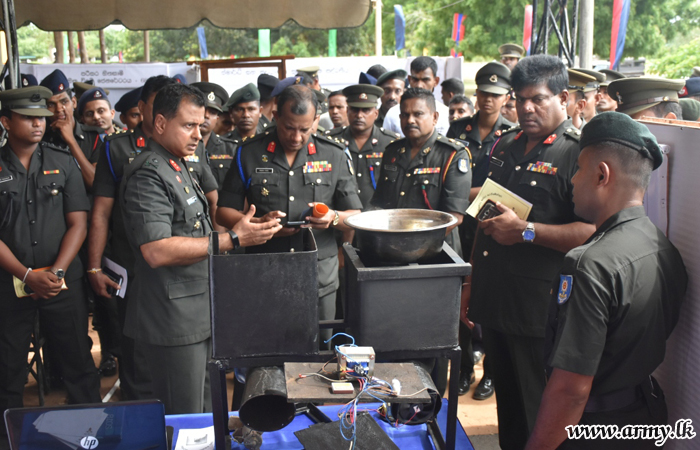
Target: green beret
(398, 74)
(363, 95)
(579, 81)
(248, 93)
(691, 109)
(30, 101)
(493, 78)
(638, 94)
(511, 51)
(610, 76)
(621, 129)
(215, 95)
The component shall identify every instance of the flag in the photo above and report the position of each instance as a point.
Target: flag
(621, 13)
(264, 42)
(527, 29)
(399, 28)
(121, 57)
(458, 28)
(332, 43)
(203, 53)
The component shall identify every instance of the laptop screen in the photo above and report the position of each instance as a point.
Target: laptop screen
(136, 425)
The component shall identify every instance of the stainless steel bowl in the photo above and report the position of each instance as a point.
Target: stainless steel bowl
(400, 235)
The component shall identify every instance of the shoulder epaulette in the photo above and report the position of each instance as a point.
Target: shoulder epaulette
(397, 144)
(461, 121)
(327, 139)
(334, 131)
(391, 134)
(255, 138)
(55, 147)
(573, 133)
(118, 134)
(450, 142)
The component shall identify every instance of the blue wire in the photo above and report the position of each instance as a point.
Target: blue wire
(341, 334)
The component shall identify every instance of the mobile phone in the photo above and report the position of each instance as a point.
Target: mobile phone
(296, 223)
(488, 211)
(114, 277)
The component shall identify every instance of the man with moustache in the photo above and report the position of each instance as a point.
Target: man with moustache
(394, 84)
(96, 111)
(338, 109)
(128, 108)
(605, 102)
(460, 107)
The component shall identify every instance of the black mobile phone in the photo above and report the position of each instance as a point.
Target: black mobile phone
(296, 223)
(488, 211)
(114, 277)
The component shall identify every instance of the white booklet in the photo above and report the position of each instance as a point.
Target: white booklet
(497, 193)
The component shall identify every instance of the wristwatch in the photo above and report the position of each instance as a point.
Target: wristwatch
(336, 219)
(529, 233)
(60, 273)
(234, 239)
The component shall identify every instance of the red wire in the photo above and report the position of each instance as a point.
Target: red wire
(425, 197)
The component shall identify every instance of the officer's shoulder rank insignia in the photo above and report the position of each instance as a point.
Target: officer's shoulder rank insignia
(566, 282)
(463, 166)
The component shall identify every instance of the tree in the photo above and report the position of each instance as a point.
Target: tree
(679, 61)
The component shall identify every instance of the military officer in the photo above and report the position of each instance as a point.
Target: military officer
(82, 140)
(514, 260)
(605, 102)
(96, 111)
(690, 108)
(511, 54)
(168, 231)
(508, 111)
(394, 84)
(691, 89)
(616, 300)
(647, 97)
(591, 92)
(338, 109)
(577, 102)
(364, 140)
(128, 108)
(266, 84)
(312, 72)
(285, 169)
(450, 88)
(44, 207)
(25, 80)
(460, 107)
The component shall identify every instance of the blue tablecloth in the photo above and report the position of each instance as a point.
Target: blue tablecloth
(406, 437)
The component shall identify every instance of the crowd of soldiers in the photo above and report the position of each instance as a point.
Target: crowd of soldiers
(547, 293)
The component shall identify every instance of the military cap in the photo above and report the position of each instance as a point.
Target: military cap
(692, 87)
(311, 71)
(398, 74)
(320, 99)
(96, 93)
(579, 81)
(215, 95)
(493, 78)
(620, 128)
(247, 93)
(511, 51)
(283, 84)
(56, 82)
(610, 76)
(366, 78)
(363, 95)
(25, 80)
(696, 72)
(129, 100)
(637, 94)
(593, 85)
(30, 101)
(180, 78)
(79, 88)
(266, 84)
(690, 108)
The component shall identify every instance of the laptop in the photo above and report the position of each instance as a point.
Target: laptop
(134, 425)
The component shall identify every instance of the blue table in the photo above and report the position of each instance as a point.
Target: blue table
(406, 437)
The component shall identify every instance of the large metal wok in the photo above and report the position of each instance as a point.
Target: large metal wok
(400, 235)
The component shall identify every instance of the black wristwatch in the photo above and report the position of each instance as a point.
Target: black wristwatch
(234, 239)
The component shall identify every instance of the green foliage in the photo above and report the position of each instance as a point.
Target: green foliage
(34, 42)
(679, 62)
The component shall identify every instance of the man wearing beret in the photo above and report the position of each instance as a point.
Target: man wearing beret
(82, 140)
(605, 102)
(616, 300)
(691, 89)
(43, 211)
(690, 108)
(647, 97)
(514, 260)
(511, 54)
(96, 111)
(364, 140)
(25, 80)
(128, 107)
(394, 84)
(266, 84)
(577, 103)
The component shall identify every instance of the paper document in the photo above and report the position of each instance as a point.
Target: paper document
(118, 270)
(497, 193)
(195, 439)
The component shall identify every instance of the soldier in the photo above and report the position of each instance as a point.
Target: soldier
(616, 300)
(168, 232)
(338, 109)
(25, 80)
(394, 84)
(690, 108)
(364, 140)
(508, 111)
(216, 97)
(376, 71)
(514, 260)
(266, 84)
(450, 88)
(577, 102)
(423, 75)
(511, 54)
(691, 89)
(44, 222)
(605, 102)
(128, 107)
(65, 131)
(591, 92)
(96, 110)
(647, 97)
(284, 170)
(460, 107)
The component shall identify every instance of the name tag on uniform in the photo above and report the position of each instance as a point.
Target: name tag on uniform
(390, 168)
(426, 170)
(192, 199)
(264, 170)
(191, 158)
(220, 157)
(496, 161)
(7, 178)
(318, 166)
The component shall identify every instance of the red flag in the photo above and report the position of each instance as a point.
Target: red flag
(527, 29)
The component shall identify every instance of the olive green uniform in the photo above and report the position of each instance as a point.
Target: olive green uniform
(511, 283)
(616, 300)
(33, 204)
(219, 151)
(169, 309)
(88, 139)
(367, 161)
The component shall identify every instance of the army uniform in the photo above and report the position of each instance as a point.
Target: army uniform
(511, 283)
(220, 152)
(367, 162)
(33, 205)
(169, 309)
(87, 137)
(321, 172)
